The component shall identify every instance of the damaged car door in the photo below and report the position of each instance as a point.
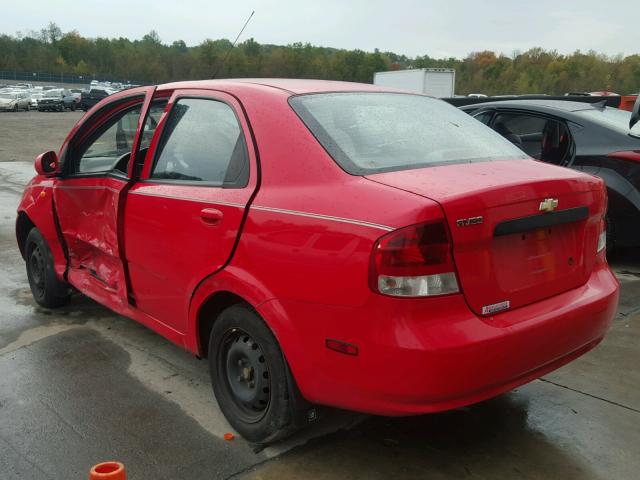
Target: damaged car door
(89, 195)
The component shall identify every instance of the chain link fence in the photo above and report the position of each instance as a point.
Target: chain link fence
(15, 76)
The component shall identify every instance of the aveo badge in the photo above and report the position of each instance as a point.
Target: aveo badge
(465, 222)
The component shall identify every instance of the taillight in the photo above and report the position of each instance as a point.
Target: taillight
(602, 237)
(414, 261)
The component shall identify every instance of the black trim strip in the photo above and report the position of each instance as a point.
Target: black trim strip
(543, 220)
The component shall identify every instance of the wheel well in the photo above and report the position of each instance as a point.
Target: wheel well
(620, 206)
(208, 313)
(23, 227)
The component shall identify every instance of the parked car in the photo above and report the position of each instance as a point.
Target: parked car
(77, 95)
(323, 243)
(35, 96)
(56, 100)
(14, 100)
(89, 98)
(592, 138)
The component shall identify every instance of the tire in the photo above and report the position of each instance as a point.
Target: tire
(249, 376)
(15, 108)
(45, 286)
(73, 107)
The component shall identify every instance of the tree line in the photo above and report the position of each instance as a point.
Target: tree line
(149, 60)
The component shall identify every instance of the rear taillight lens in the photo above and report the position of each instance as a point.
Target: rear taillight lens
(414, 261)
(602, 238)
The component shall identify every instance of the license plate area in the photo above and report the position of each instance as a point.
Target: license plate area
(544, 257)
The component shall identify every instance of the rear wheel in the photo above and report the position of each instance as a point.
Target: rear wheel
(249, 376)
(45, 286)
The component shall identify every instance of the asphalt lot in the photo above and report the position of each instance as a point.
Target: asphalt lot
(82, 385)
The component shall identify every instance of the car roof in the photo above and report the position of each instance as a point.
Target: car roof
(535, 104)
(291, 85)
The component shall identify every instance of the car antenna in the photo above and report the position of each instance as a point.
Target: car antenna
(224, 60)
(601, 105)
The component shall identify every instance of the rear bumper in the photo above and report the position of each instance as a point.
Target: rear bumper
(427, 355)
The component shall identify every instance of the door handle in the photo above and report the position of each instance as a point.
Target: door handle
(211, 216)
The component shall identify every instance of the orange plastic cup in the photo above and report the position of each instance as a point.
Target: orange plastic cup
(108, 471)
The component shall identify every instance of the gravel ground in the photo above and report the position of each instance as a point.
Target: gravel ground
(24, 135)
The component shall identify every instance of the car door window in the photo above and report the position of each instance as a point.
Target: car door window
(151, 123)
(542, 138)
(202, 142)
(484, 117)
(102, 152)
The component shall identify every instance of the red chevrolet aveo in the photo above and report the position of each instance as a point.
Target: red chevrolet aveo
(322, 243)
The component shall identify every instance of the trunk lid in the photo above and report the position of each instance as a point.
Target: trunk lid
(516, 254)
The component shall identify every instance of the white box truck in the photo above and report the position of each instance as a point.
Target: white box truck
(438, 82)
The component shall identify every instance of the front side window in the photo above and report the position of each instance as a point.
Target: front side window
(102, 152)
(540, 137)
(202, 142)
(484, 117)
(377, 132)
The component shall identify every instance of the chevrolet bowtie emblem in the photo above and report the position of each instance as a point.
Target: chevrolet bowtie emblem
(548, 205)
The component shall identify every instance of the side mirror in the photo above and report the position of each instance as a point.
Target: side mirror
(635, 113)
(47, 164)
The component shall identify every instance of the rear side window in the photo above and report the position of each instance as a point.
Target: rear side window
(612, 118)
(377, 132)
(202, 142)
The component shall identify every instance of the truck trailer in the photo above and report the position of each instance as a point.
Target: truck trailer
(437, 82)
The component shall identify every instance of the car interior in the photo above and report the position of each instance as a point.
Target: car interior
(539, 137)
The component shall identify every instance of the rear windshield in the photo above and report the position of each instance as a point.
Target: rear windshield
(380, 132)
(612, 118)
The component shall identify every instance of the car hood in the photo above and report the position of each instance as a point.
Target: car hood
(5, 101)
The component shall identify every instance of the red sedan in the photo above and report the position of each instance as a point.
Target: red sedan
(322, 243)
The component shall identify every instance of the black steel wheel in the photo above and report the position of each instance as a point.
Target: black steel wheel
(246, 372)
(249, 376)
(36, 270)
(47, 289)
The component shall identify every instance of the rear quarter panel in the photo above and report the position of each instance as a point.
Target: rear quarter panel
(309, 232)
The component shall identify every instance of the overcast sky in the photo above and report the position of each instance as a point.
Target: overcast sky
(439, 28)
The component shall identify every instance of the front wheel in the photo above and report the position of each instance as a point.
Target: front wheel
(249, 376)
(45, 286)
